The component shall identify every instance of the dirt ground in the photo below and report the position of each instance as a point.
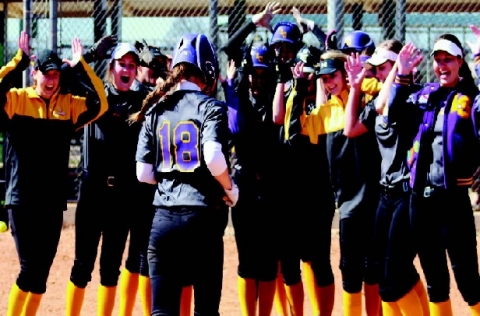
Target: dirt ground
(54, 300)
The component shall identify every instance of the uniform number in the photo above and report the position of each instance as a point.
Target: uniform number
(185, 146)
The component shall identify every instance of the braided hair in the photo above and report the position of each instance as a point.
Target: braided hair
(182, 71)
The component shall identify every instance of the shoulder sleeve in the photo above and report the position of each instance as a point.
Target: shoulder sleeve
(95, 104)
(368, 115)
(145, 146)
(215, 123)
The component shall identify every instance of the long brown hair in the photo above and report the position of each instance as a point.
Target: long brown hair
(163, 90)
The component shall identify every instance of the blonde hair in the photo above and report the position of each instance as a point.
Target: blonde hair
(334, 54)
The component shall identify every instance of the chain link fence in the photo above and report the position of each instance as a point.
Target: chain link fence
(53, 24)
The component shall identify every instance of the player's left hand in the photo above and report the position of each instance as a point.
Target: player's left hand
(77, 52)
(231, 197)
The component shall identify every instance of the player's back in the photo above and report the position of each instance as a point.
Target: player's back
(182, 124)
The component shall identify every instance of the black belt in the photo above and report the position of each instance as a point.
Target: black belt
(397, 188)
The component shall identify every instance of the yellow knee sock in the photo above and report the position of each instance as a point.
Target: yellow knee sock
(409, 304)
(326, 296)
(391, 309)
(145, 291)
(128, 292)
(247, 295)
(16, 301)
(352, 304)
(295, 297)
(441, 309)
(423, 297)
(266, 294)
(75, 297)
(280, 298)
(32, 304)
(372, 299)
(106, 300)
(475, 309)
(186, 301)
(312, 288)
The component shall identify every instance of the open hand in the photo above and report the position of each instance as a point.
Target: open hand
(265, 17)
(77, 52)
(408, 58)
(23, 42)
(475, 47)
(355, 70)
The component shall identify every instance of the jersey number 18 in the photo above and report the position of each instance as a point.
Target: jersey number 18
(185, 146)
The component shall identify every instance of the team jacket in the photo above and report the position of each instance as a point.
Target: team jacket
(461, 149)
(110, 143)
(38, 134)
(353, 162)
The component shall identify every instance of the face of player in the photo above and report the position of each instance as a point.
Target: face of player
(382, 71)
(124, 72)
(258, 80)
(285, 51)
(46, 83)
(334, 83)
(446, 68)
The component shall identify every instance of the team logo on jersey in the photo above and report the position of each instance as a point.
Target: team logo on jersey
(461, 105)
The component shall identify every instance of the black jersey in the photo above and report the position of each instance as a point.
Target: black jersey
(172, 139)
(110, 143)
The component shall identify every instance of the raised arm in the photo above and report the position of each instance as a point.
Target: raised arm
(356, 74)
(235, 118)
(307, 25)
(86, 109)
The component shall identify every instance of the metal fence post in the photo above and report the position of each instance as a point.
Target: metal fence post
(52, 39)
(401, 20)
(27, 27)
(335, 16)
(99, 31)
(117, 19)
(213, 15)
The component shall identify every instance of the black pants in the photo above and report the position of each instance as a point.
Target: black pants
(394, 244)
(186, 247)
(444, 223)
(36, 232)
(102, 212)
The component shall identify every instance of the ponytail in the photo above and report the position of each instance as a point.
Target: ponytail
(180, 72)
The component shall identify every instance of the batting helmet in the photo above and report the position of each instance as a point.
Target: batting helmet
(286, 32)
(260, 56)
(197, 50)
(310, 56)
(357, 41)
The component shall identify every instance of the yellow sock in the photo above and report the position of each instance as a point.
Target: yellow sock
(266, 294)
(145, 291)
(391, 309)
(247, 295)
(32, 304)
(326, 296)
(409, 304)
(422, 296)
(352, 304)
(280, 297)
(106, 300)
(128, 292)
(75, 297)
(312, 288)
(475, 309)
(16, 301)
(295, 297)
(441, 309)
(372, 299)
(186, 301)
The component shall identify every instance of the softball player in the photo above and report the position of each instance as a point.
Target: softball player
(104, 208)
(40, 122)
(312, 239)
(444, 155)
(400, 287)
(182, 149)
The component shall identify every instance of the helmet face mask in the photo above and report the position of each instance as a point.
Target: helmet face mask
(197, 50)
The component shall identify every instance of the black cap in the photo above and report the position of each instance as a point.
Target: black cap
(330, 65)
(47, 60)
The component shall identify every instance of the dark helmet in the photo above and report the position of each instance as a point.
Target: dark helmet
(197, 50)
(286, 32)
(310, 56)
(260, 55)
(357, 41)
